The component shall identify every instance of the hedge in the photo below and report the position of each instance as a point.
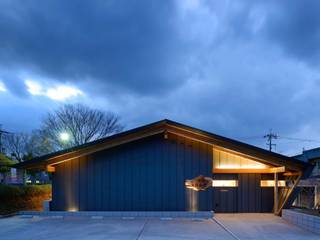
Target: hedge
(29, 197)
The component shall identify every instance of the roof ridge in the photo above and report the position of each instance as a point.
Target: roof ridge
(224, 141)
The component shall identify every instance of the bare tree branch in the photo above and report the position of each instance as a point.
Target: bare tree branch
(82, 123)
(23, 146)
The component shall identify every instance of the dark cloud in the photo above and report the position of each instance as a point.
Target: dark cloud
(235, 68)
(109, 43)
(295, 26)
(14, 84)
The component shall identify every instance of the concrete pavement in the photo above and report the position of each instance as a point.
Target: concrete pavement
(37, 228)
(243, 226)
(263, 226)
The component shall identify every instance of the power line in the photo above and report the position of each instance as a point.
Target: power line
(2, 132)
(250, 137)
(270, 136)
(299, 139)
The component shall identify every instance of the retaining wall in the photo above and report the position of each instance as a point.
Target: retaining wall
(306, 221)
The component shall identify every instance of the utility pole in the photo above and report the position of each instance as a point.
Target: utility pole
(2, 132)
(269, 138)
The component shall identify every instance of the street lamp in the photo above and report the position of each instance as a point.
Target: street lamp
(64, 136)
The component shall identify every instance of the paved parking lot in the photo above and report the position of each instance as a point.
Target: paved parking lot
(16, 228)
(263, 226)
(244, 226)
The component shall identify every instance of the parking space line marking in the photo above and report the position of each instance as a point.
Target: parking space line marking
(224, 228)
(142, 229)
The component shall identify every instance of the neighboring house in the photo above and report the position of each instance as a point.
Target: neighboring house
(41, 177)
(168, 166)
(309, 195)
(6, 171)
(15, 176)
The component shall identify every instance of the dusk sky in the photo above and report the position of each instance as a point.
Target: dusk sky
(235, 68)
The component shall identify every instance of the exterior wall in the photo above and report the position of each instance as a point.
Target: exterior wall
(247, 197)
(307, 194)
(145, 175)
(316, 169)
(313, 156)
(149, 175)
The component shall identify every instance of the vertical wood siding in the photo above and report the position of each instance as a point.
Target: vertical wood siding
(145, 175)
(149, 175)
(226, 198)
(247, 197)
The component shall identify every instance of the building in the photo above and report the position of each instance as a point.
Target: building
(168, 166)
(8, 175)
(309, 195)
(14, 176)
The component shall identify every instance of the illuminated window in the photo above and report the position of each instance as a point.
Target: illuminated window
(227, 160)
(224, 183)
(270, 183)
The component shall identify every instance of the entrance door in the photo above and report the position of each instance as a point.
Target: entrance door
(249, 193)
(225, 198)
(247, 197)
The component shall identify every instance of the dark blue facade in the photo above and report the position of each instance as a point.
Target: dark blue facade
(144, 175)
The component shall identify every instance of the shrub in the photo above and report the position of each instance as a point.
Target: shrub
(17, 198)
(5, 164)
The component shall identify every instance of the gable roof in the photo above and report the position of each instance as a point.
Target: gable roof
(164, 126)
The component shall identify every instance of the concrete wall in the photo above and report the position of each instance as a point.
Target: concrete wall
(306, 221)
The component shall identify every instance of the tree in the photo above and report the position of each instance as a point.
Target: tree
(16, 145)
(24, 146)
(38, 145)
(72, 125)
(5, 164)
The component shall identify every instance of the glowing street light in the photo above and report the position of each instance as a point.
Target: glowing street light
(64, 136)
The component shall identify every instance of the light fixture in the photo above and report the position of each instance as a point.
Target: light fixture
(73, 209)
(64, 136)
(199, 183)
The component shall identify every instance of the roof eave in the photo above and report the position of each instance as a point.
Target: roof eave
(165, 125)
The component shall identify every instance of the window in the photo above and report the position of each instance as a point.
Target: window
(224, 183)
(270, 183)
(228, 160)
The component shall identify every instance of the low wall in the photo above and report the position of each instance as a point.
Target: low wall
(306, 221)
(151, 214)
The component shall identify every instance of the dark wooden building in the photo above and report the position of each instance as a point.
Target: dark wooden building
(149, 169)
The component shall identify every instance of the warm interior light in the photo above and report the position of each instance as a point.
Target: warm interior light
(270, 183)
(241, 167)
(227, 160)
(224, 183)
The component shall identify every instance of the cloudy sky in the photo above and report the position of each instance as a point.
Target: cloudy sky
(236, 68)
